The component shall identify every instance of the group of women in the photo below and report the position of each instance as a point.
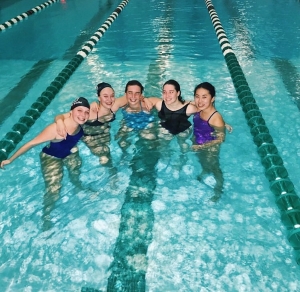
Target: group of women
(91, 124)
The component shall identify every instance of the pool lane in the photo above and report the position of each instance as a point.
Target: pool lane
(25, 15)
(12, 138)
(290, 77)
(280, 184)
(89, 29)
(11, 100)
(130, 263)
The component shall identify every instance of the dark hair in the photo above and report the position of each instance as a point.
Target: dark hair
(101, 86)
(177, 88)
(207, 86)
(134, 82)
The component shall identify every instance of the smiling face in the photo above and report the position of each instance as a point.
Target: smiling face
(133, 95)
(170, 95)
(80, 114)
(107, 97)
(203, 99)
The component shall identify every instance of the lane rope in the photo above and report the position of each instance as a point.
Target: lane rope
(286, 198)
(25, 15)
(12, 138)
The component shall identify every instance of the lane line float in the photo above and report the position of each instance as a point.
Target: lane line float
(25, 15)
(286, 198)
(12, 138)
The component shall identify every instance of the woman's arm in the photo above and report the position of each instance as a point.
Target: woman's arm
(219, 139)
(60, 126)
(217, 121)
(191, 109)
(155, 101)
(119, 102)
(146, 103)
(48, 134)
(228, 127)
(94, 106)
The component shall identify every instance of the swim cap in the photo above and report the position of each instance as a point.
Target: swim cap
(101, 86)
(81, 101)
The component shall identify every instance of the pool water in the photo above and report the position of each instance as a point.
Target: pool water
(150, 226)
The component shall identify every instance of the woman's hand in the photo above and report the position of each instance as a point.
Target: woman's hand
(229, 128)
(198, 147)
(148, 104)
(61, 128)
(94, 106)
(5, 162)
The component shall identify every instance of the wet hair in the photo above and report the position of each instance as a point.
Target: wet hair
(207, 86)
(80, 101)
(134, 82)
(101, 86)
(177, 88)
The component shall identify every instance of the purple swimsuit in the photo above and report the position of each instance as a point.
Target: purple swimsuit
(203, 131)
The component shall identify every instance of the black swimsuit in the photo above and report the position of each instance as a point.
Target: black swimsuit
(96, 127)
(174, 121)
(96, 122)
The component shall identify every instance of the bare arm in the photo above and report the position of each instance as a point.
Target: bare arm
(219, 139)
(60, 126)
(146, 103)
(156, 102)
(228, 127)
(48, 134)
(94, 106)
(119, 102)
(191, 109)
(217, 121)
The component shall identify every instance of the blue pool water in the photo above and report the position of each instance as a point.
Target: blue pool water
(151, 225)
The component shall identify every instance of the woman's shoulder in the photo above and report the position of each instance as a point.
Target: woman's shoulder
(217, 119)
(48, 133)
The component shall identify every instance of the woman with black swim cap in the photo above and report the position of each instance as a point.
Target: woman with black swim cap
(60, 152)
(97, 128)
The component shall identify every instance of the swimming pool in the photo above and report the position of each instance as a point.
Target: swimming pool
(155, 226)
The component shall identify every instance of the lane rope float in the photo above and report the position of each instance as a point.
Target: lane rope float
(286, 198)
(12, 138)
(24, 15)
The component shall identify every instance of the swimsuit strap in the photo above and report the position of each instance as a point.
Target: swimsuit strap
(110, 111)
(127, 106)
(141, 106)
(211, 116)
